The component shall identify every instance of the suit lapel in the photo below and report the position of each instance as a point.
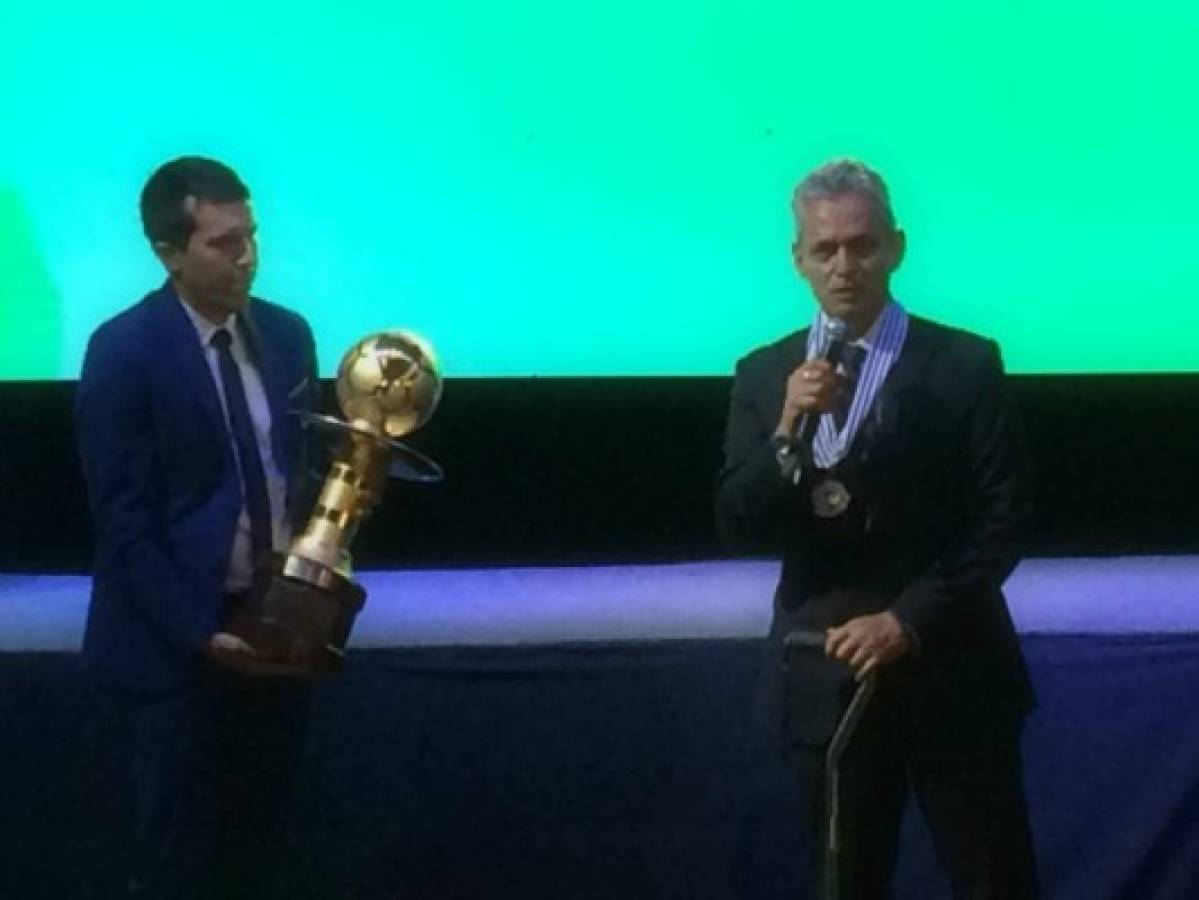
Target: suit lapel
(907, 366)
(904, 371)
(181, 348)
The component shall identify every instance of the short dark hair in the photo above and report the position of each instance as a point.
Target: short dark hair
(163, 203)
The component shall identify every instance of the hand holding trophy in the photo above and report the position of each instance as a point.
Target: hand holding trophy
(302, 606)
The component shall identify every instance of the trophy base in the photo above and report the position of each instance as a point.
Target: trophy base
(298, 627)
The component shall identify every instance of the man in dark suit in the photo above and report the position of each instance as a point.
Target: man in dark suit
(194, 457)
(899, 510)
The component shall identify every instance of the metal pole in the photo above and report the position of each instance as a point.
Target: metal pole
(832, 778)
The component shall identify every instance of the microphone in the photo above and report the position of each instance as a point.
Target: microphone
(835, 331)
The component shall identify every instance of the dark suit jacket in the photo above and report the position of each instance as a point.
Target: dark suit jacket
(934, 529)
(163, 483)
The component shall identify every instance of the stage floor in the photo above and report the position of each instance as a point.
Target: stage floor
(587, 733)
(472, 607)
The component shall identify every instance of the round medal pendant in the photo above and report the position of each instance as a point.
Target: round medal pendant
(830, 498)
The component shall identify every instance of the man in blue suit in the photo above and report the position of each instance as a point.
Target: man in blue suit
(194, 455)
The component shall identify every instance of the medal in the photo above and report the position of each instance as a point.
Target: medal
(830, 498)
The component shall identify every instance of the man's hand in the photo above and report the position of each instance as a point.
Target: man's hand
(231, 652)
(867, 642)
(814, 386)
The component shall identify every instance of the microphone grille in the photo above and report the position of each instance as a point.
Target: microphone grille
(835, 329)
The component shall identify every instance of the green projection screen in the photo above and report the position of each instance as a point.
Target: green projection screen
(601, 187)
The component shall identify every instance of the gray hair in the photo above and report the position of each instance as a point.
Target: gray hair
(837, 178)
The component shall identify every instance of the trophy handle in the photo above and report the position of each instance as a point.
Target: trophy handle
(406, 464)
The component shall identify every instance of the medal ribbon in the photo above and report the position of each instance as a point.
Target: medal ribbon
(831, 445)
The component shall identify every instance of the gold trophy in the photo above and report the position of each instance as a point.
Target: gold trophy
(300, 611)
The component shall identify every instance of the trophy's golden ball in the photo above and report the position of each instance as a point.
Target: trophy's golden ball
(388, 383)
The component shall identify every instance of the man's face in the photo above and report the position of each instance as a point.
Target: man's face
(215, 270)
(847, 251)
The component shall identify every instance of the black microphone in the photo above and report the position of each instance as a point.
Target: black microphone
(835, 331)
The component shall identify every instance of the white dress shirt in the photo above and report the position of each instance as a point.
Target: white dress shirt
(240, 571)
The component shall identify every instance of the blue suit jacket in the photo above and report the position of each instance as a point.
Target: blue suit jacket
(163, 483)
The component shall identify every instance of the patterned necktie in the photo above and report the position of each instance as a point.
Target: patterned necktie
(258, 504)
(852, 358)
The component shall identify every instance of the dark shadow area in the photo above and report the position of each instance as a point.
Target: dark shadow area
(563, 471)
(610, 771)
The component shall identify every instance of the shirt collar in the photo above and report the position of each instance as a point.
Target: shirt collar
(870, 338)
(206, 329)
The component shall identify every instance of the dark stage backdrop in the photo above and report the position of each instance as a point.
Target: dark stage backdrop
(605, 469)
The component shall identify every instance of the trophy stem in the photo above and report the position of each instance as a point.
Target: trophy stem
(351, 490)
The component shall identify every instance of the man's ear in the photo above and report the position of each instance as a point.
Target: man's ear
(899, 247)
(169, 255)
(797, 257)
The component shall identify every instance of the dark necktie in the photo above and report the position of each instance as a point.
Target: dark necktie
(852, 358)
(258, 504)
